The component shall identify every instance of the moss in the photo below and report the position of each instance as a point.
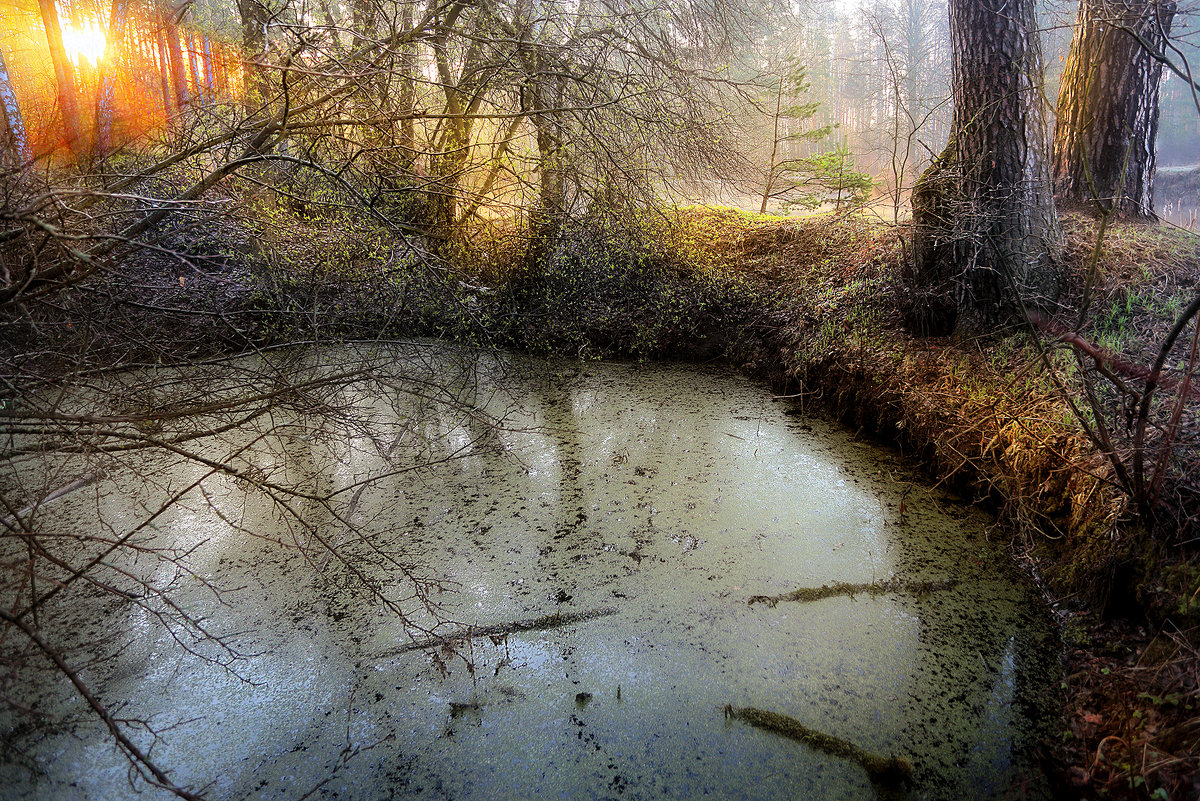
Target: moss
(889, 770)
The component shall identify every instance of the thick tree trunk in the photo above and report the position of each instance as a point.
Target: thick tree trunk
(1104, 141)
(175, 55)
(64, 76)
(986, 234)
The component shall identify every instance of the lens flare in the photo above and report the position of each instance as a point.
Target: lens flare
(85, 41)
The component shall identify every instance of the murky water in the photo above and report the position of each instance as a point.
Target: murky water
(645, 504)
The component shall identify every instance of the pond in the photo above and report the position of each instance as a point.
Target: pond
(604, 527)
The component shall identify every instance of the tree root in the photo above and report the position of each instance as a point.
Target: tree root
(806, 594)
(497, 630)
(890, 771)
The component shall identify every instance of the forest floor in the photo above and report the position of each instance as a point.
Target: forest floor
(813, 306)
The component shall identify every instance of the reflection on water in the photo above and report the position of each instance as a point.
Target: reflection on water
(1183, 213)
(672, 494)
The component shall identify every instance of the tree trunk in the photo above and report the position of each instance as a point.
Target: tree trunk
(254, 46)
(108, 69)
(209, 85)
(986, 238)
(164, 70)
(18, 142)
(1104, 141)
(193, 67)
(175, 56)
(408, 89)
(64, 76)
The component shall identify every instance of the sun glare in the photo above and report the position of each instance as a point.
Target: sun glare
(87, 41)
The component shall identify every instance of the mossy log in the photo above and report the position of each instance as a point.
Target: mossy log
(805, 594)
(542, 623)
(889, 770)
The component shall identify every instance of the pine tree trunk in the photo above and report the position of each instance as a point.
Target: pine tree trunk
(210, 87)
(986, 235)
(64, 76)
(108, 69)
(1104, 141)
(164, 70)
(175, 57)
(193, 67)
(254, 46)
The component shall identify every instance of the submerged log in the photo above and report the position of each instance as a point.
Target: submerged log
(805, 594)
(554, 621)
(890, 770)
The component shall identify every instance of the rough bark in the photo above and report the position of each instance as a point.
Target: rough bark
(986, 235)
(1104, 140)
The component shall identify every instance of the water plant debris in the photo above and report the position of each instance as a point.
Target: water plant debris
(542, 623)
(807, 594)
(889, 770)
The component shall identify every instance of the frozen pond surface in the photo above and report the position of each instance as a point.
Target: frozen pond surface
(645, 504)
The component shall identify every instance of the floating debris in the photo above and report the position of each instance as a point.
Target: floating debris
(806, 594)
(556, 620)
(458, 710)
(888, 770)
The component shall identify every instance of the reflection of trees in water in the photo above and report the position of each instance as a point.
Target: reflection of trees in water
(554, 394)
(980, 677)
(111, 490)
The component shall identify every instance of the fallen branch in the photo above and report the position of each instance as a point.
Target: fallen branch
(557, 620)
(807, 594)
(11, 521)
(883, 770)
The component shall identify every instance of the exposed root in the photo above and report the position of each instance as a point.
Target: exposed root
(890, 770)
(807, 594)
